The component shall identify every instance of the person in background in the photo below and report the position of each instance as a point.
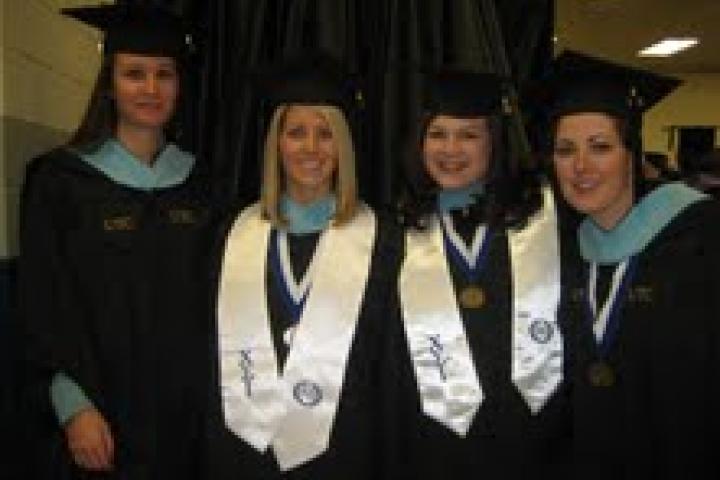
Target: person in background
(112, 267)
(707, 176)
(643, 296)
(656, 168)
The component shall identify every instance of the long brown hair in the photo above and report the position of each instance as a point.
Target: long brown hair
(100, 118)
(629, 131)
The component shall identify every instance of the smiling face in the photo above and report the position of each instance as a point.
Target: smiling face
(309, 153)
(145, 90)
(456, 151)
(593, 167)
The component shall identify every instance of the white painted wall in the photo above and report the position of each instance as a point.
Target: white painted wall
(48, 67)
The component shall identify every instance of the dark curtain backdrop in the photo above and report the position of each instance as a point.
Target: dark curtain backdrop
(384, 42)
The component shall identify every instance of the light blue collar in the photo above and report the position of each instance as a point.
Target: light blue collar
(457, 198)
(171, 167)
(307, 218)
(639, 227)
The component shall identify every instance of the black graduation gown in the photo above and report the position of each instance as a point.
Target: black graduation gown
(658, 418)
(112, 282)
(353, 452)
(504, 441)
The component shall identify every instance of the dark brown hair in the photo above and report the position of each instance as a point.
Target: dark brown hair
(629, 132)
(512, 194)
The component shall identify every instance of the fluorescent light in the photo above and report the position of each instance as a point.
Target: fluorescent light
(667, 47)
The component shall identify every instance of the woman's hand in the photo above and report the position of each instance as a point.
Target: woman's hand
(90, 441)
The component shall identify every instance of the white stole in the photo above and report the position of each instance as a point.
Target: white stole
(293, 411)
(448, 384)
(537, 344)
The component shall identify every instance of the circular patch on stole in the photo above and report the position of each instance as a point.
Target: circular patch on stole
(307, 394)
(541, 331)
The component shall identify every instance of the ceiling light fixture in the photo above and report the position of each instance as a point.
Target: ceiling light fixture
(668, 47)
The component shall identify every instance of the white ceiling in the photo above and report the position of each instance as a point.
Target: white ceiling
(617, 29)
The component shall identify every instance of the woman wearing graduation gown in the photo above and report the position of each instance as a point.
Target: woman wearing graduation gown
(644, 296)
(479, 366)
(302, 294)
(112, 239)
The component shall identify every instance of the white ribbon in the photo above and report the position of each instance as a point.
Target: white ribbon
(296, 289)
(448, 384)
(537, 348)
(469, 253)
(294, 412)
(602, 317)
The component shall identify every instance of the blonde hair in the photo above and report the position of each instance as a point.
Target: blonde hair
(345, 185)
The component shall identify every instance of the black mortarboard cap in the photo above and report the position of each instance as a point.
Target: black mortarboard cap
(140, 29)
(313, 79)
(463, 93)
(581, 83)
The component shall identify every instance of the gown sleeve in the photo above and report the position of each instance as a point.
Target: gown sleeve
(67, 398)
(43, 288)
(44, 285)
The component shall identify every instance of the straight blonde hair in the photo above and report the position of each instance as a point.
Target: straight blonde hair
(345, 185)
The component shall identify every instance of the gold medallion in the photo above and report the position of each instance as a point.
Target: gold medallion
(600, 374)
(472, 296)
